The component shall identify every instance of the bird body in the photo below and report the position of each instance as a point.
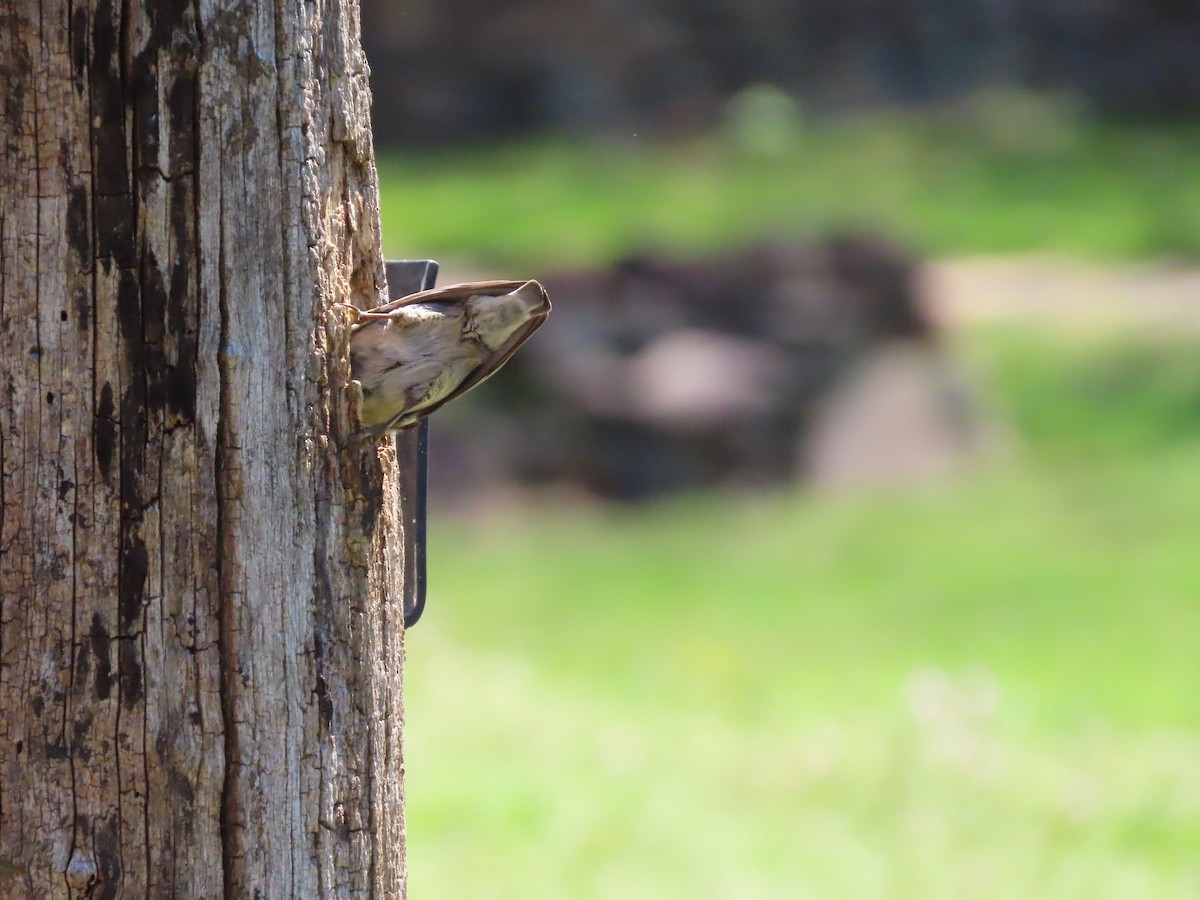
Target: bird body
(415, 354)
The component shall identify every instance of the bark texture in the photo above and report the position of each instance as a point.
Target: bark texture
(201, 636)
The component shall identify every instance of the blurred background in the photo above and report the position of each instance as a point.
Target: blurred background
(837, 537)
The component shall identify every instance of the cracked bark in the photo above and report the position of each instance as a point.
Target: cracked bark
(201, 635)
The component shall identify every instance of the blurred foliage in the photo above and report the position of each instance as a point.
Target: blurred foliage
(1004, 173)
(1102, 399)
(985, 689)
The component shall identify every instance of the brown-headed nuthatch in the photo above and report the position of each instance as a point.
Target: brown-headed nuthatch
(416, 353)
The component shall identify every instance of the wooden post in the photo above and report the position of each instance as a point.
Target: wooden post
(201, 573)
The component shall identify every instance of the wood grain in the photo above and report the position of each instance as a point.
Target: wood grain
(201, 636)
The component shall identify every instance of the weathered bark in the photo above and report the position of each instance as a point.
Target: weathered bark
(200, 630)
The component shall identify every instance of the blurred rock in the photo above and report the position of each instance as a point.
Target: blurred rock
(664, 375)
(691, 381)
(903, 415)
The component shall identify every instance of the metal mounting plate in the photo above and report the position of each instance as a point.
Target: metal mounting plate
(404, 277)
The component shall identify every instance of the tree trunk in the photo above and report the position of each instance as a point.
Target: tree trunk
(200, 577)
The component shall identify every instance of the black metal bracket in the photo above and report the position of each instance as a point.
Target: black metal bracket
(406, 277)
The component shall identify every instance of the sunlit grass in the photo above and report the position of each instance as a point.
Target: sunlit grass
(985, 689)
(966, 184)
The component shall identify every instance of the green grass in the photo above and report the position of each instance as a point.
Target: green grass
(991, 180)
(985, 689)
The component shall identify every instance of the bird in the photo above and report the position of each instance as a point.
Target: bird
(415, 354)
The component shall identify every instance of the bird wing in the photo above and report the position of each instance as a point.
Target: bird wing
(452, 292)
(490, 365)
